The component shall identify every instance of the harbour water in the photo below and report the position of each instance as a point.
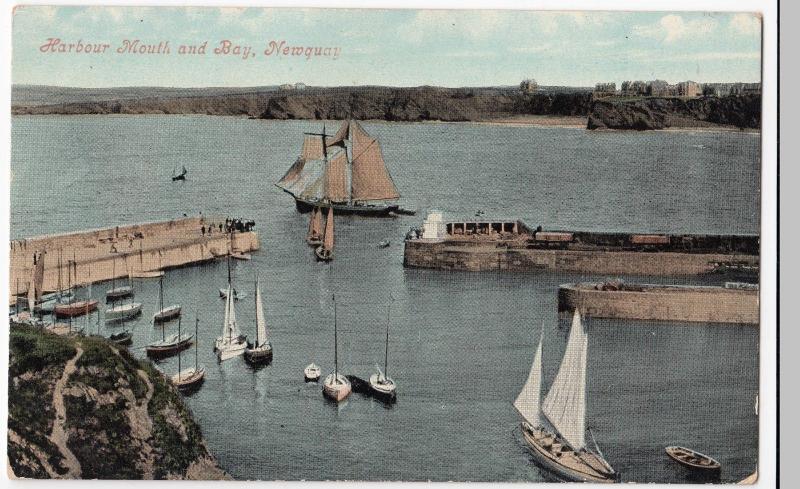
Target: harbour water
(461, 344)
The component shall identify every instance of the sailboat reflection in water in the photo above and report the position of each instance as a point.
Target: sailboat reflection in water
(562, 450)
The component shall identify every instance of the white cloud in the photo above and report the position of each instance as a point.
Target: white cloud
(747, 24)
(671, 28)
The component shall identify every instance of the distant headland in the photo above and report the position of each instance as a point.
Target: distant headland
(637, 105)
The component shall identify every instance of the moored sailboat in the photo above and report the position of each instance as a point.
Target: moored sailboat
(561, 447)
(117, 292)
(192, 377)
(324, 252)
(165, 313)
(169, 345)
(73, 308)
(336, 386)
(231, 343)
(380, 383)
(346, 172)
(314, 236)
(261, 350)
(121, 312)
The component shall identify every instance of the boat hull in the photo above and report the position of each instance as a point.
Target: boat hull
(258, 356)
(167, 351)
(322, 254)
(75, 309)
(167, 314)
(189, 379)
(370, 210)
(118, 293)
(228, 350)
(125, 338)
(336, 391)
(122, 313)
(693, 460)
(386, 392)
(566, 466)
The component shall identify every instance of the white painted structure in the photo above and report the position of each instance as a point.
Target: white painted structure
(434, 226)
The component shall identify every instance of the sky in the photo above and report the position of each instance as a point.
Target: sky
(383, 47)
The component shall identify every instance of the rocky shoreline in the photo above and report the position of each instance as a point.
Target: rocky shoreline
(496, 105)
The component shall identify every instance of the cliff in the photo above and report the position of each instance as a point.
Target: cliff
(84, 408)
(363, 103)
(407, 104)
(742, 111)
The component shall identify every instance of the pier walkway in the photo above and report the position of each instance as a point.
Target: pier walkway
(102, 254)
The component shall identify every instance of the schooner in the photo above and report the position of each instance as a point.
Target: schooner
(561, 446)
(346, 172)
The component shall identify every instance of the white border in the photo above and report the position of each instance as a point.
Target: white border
(768, 340)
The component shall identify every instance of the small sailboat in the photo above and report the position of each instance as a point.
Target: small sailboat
(324, 252)
(231, 343)
(121, 312)
(312, 372)
(562, 450)
(380, 383)
(261, 350)
(336, 386)
(169, 345)
(165, 313)
(179, 176)
(117, 292)
(73, 308)
(693, 459)
(314, 237)
(192, 377)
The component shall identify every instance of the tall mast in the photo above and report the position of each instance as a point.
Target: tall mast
(113, 273)
(196, 345)
(386, 355)
(59, 275)
(349, 160)
(161, 293)
(255, 305)
(335, 345)
(179, 351)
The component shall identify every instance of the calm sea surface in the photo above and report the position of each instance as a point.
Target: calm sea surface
(461, 344)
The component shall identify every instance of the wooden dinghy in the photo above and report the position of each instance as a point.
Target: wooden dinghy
(693, 459)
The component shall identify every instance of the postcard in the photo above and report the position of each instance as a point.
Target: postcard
(385, 244)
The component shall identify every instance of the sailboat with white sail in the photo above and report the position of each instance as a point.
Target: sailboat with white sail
(345, 171)
(324, 252)
(261, 350)
(336, 386)
(558, 438)
(380, 383)
(165, 313)
(231, 343)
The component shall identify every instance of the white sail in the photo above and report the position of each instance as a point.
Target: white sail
(527, 402)
(229, 330)
(260, 322)
(565, 404)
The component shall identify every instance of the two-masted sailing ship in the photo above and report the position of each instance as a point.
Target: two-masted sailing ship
(345, 172)
(558, 438)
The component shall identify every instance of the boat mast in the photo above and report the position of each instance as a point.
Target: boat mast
(179, 351)
(386, 355)
(113, 273)
(196, 345)
(255, 305)
(161, 293)
(335, 345)
(59, 275)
